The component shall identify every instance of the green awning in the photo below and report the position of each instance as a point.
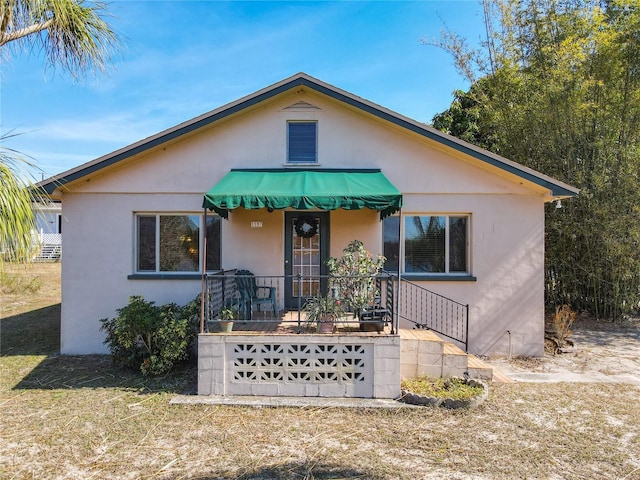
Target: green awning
(327, 189)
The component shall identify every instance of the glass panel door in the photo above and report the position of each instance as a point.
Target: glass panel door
(306, 250)
(306, 261)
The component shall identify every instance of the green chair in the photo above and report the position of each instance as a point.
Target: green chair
(252, 295)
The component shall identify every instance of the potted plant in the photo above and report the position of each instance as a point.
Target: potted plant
(354, 275)
(323, 311)
(227, 315)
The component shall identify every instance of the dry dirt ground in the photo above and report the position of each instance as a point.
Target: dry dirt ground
(603, 353)
(66, 417)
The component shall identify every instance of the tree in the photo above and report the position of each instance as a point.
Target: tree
(556, 86)
(468, 117)
(73, 36)
(72, 33)
(16, 214)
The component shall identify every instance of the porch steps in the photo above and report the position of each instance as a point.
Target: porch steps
(424, 352)
(48, 252)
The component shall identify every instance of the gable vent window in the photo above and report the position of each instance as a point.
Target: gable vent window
(302, 142)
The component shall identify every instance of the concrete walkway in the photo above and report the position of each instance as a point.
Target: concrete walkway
(599, 356)
(307, 402)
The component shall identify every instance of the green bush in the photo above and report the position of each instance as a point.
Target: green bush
(149, 337)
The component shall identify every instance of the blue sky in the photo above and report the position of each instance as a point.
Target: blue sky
(180, 59)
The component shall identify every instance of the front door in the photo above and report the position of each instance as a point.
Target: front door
(306, 251)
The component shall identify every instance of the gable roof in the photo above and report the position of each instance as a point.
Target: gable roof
(558, 189)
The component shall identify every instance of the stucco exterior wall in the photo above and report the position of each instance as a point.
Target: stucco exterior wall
(507, 260)
(506, 230)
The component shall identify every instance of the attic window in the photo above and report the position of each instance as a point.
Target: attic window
(302, 142)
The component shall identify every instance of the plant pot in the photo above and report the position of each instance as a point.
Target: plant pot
(226, 325)
(325, 327)
(370, 326)
(373, 319)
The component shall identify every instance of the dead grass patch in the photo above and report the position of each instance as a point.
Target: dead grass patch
(68, 417)
(27, 287)
(132, 432)
(528, 363)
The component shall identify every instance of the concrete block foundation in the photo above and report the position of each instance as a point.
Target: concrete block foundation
(299, 365)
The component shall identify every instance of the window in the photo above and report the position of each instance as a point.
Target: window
(172, 243)
(302, 142)
(433, 244)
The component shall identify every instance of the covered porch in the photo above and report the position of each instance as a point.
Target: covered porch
(276, 351)
(274, 347)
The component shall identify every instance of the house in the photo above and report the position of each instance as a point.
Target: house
(453, 218)
(47, 235)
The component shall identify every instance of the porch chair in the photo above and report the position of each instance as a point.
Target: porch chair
(252, 294)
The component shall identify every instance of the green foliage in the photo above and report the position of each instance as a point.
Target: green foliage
(71, 33)
(560, 92)
(468, 118)
(149, 337)
(16, 213)
(323, 309)
(229, 312)
(456, 388)
(354, 274)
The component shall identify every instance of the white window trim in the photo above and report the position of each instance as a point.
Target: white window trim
(157, 271)
(447, 273)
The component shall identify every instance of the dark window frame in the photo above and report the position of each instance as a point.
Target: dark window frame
(302, 142)
(185, 246)
(456, 255)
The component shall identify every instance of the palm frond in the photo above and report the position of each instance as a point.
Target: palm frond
(72, 33)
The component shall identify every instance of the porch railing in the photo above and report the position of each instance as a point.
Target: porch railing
(429, 310)
(49, 246)
(269, 299)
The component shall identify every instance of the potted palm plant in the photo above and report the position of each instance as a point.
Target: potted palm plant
(323, 311)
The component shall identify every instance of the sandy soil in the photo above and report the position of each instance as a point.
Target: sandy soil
(607, 353)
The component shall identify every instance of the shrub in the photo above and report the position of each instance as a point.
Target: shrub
(354, 274)
(149, 337)
(562, 321)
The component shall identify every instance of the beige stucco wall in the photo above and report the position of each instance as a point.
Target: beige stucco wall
(507, 219)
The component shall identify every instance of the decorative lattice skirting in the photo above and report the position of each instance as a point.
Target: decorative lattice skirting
(310, 363)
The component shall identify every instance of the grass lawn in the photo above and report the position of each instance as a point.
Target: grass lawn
(71, 417)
